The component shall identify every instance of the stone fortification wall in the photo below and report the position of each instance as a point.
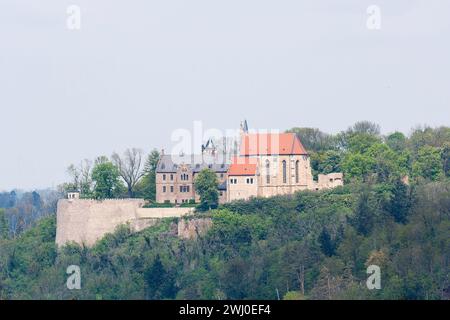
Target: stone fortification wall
(86, 221)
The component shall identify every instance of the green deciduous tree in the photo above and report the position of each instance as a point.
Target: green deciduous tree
(359, 137)
(327, 245)
(206, 184)
(364, 216)
(428, 163)
(399, 205)
(388, 164)
(357, 166)
(235, 278)
(152, 161)
(146, 187)
(361, 142)
(326, 162)
(396, 141)
(427, 136)
(159, 282)
(106, 179)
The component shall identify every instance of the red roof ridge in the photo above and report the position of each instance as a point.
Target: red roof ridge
(242, 169)
(286, 144)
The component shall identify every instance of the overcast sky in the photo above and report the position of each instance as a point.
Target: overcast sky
(140, 69)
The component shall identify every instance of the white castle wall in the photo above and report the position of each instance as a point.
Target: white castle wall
(86, 221)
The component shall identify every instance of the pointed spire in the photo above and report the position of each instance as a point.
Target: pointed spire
(244, 127)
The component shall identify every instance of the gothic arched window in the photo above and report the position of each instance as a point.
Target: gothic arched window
(284, 172)
(267, 171)
(297, 178)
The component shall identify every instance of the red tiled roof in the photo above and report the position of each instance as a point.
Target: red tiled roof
(242, 169)
(271, 143)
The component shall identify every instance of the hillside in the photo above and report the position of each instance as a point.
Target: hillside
(311, 245)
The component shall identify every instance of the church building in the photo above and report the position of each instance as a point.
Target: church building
(262, 165)
(271, 164)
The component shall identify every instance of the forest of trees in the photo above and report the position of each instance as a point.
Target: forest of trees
(363, 154)
(393, 211)
(21, 209)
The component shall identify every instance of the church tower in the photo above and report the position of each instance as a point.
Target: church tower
(243, 130)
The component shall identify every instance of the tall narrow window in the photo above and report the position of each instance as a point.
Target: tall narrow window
(296, 171)
(284, 172)
(267, 171)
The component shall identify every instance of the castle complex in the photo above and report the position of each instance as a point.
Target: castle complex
(258, 165)
(261, 165)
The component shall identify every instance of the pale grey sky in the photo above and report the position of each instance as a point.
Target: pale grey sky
(139, 69)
